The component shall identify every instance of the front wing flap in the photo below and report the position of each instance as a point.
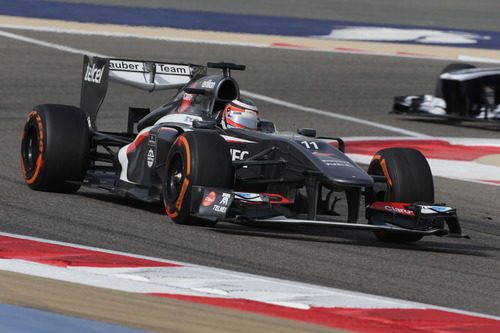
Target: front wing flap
(416, 216)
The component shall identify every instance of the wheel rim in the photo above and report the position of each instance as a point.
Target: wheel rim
(175, 177)
(31, 149)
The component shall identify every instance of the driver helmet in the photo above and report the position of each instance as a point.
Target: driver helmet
(240, 113)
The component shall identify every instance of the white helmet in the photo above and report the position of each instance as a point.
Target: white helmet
(242, 113)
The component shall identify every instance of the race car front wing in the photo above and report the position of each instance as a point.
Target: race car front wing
(394, 217)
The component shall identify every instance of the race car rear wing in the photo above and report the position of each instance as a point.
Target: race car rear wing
(146, 75)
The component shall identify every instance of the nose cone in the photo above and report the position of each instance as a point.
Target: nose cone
(341, 170)
(355, 177)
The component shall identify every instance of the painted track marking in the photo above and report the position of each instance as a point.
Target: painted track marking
(332, 114)
(48, 44)
(325, 306)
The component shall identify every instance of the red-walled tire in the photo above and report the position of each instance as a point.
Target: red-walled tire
(55, 148)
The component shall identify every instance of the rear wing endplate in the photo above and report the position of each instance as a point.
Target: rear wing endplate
(146, 75)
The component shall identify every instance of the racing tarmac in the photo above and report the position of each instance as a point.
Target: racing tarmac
(454, 273)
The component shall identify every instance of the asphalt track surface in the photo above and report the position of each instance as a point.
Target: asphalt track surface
(462, 274)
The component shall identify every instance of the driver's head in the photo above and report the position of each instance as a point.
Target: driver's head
(240, 113)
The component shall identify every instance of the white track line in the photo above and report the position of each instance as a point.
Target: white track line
(333, 115)
(247, 93)
(48, 44)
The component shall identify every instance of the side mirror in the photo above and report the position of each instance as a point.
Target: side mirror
(310, 132)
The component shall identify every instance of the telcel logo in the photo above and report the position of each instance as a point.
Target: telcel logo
(93, 74)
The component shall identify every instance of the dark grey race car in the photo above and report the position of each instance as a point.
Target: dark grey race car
(204, 172)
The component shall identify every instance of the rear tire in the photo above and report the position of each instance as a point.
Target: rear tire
(55, 148)
(409, 180)
(196, 158)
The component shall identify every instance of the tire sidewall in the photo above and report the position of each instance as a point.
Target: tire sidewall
(409, 181)
(408, 174)
(33, 136)
(176, 206)
(63, 140)
(205, 162)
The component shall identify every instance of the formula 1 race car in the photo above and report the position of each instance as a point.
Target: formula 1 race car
(209, 156)
(463, 92)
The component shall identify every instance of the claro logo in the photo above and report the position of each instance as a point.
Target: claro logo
(398, 210)
(93, 74)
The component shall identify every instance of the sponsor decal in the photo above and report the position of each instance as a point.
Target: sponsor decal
(126, 65)
(331, 161)
(337, 163)
(138, 66)
(93, 74)
(223, 204)
(237, 154)
(172, 69)
(393, 207)
(323, 154)
(220, 209)
(208, 84)
(215, 203)
(209, 199)
(225, 199)
(398, 210)
(186, 102)
(152, 140)
(151, 157)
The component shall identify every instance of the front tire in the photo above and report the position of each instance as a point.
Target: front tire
(409, 180)
(196, 158)
(55, 148)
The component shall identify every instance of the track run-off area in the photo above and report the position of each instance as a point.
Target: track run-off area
(340, 87)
